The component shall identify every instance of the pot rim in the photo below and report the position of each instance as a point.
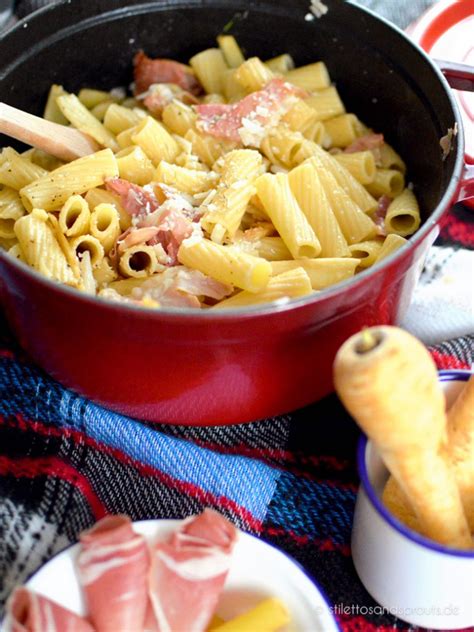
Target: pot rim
(291, 304)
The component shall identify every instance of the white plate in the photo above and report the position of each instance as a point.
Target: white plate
(258, 570)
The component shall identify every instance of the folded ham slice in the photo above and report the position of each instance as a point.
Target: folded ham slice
(188, 572)
(247, 120)
(113, 569)
(29, 612)
(148, 71)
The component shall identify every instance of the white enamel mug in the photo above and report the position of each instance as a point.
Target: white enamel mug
(415, 579)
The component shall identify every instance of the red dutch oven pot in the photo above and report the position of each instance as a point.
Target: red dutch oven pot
(193, 367)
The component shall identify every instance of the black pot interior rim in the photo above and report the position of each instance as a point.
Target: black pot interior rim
(415, 240)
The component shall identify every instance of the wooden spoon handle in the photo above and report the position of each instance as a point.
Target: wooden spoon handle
(63, 142)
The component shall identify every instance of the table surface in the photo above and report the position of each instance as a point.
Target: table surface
(66, 462)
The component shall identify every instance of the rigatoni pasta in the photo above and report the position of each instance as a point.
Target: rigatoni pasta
(240, 182)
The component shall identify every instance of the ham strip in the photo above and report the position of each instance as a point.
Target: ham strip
(113, 567)
(161, 216)
(148, 71)
(29, 612)
(379, 215)
(188, 572)
(173, 229)
(133, 236)
(365, 143)
(245, 121)
(135, 200)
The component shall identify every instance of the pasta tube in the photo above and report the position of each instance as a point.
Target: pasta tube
(342, 130)
(281, 64)
(51, 110)
(7, 230)
(391, 243)
(16, 172)
(101, 196)
(10, 204)
(311, 77)
(89, 97)
(40, 248)
(403, 215)
(52, 190)
(389, 159)
(360, 164)
(281, 206)
(134, 165)
(326, 103)
(178, 117)
(104, 274)
(138, 261)
(85, 122)
(225, 264)
(105, 225)
(124, 139)
(209, 66)
(118, 118)
(90, 244)
(231, 88)
(355, 225)
(289, 284)
(367, 252)
(11, 209)
(186, 180)
(273, 249)
(156, 142)
(74, 217)
(231, 50)
(309, 193)
(253, 75)
(322, 272)
(387, 182)
(65, 247)
(343, 177)
(89, 285)
(207, 148)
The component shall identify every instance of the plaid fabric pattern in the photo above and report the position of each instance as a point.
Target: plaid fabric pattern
(66, 462)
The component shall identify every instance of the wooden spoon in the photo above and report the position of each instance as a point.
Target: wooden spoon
(63, 142)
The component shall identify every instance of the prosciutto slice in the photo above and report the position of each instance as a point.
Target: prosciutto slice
(135, 200)
(161, 216)
(29, 612)
(188, 572)
(148, 71)
(113, 568)
(368, 142)
(379, 215)
(246, 120)
(173, 229)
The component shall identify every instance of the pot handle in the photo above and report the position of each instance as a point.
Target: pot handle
(461, 77)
